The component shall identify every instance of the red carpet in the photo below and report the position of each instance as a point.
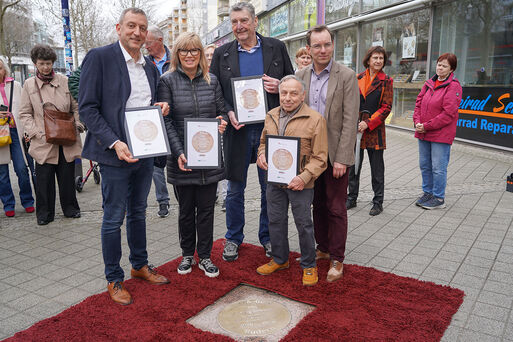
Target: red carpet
(368, 305)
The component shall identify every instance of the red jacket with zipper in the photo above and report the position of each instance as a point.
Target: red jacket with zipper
(437, 109)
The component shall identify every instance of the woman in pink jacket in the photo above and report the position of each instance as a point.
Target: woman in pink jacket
(435, 118)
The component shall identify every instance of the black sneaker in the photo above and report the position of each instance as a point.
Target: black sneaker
(350, 203)
(231, 251)
(376, 209)
(223, 206)
(186, 265)
(423, 199)
(268, 249)
(209, 268)
(163, 210)
(434, 203)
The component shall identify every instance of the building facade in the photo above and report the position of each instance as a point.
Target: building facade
(414, 33)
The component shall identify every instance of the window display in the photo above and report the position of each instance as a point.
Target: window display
(336, 10)
(302, 15)
(346, 47)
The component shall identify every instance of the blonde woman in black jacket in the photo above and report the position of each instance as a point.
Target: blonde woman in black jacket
(192, 92)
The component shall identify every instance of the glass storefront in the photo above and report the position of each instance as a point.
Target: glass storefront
(480, 34)
(279, 22)
(302, 15)
(338, 9)
(293, 46)
(346, 47)
(263, 25)
(374, 4)
(405, 39)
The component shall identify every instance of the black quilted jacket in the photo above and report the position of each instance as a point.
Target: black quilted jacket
(189, 99)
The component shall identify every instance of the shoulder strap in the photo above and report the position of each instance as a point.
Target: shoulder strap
(10, 96)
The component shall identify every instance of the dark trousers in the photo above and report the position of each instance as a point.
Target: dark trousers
(196, 203)
(125, 192)
(330, 213)
(45, 188)
(278, 199)
(377, 174)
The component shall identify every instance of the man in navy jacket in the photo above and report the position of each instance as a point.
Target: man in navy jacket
(113, 78)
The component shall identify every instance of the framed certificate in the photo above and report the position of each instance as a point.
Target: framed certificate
(202, 143)
(282, 155)
(249, 100)
(145, 132)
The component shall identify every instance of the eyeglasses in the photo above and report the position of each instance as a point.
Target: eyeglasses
(194, 52)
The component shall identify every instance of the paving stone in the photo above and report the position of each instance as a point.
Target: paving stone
(52, 290)
(468, 280)
(440, 274)
(490, 311)
(476, 271)
(7, 311)
(496, 299)
(25, 302)
(46, 309)
(17, 323)
(485, 325)
(19, 278)
(11, 294)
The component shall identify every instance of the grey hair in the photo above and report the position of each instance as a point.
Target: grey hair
(6, 67)
(239, 6)
(156, 31)
(133, 10)
(292, 77)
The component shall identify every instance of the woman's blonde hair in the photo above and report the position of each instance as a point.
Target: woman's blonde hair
(6, 67)
(190, 40)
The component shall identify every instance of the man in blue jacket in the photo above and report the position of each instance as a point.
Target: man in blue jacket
(113, 78)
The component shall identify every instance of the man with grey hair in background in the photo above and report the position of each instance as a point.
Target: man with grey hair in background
(160, 56)
(294, 118)
(250, 54)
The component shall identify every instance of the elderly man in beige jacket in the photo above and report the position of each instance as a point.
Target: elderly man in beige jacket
(332, 90)
(293, 118)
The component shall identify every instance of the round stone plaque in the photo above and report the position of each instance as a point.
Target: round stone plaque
(254, 317)
(250, 98)
(282, 159)
(202, 142)
(145, 130)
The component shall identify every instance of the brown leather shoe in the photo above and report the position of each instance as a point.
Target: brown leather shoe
(118, 293)
(321, 255)
(335, 272)
(148, 273)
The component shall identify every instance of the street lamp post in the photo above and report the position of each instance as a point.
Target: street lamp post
(67, 37)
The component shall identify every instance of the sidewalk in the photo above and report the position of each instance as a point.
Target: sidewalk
(468, 245)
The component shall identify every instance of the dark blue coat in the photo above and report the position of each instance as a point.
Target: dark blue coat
(104, 90)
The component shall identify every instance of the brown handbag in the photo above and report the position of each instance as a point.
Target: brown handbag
(60, 128)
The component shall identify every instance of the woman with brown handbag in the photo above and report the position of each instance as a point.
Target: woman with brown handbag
(49, 89)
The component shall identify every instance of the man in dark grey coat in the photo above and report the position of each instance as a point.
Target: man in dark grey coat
(250, 54)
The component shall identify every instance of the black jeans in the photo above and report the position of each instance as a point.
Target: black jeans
(377, 174)
(45, 188)
(196, 206)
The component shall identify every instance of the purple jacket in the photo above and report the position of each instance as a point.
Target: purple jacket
(437, 109)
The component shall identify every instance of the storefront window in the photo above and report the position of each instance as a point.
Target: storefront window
(405, 39)
(339, 9)
(293, 47)
(480, 33)
(345, 45)
(374, 4)
(279, 22)
(263, 26)
(302, 15)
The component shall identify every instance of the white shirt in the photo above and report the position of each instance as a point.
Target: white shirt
(140, 94)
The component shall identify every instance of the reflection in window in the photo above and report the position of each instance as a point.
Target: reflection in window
(293, 47)
(339, 9)
(303, 15)
(345, 52)
(480, 33)
(263, 26)
(374, 4)
(405, 39)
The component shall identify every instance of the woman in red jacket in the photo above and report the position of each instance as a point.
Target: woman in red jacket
(376, 97)
(435, 118)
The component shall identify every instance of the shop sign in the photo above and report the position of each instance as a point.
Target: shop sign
(336, 5)
(486, 115)
(279, 22)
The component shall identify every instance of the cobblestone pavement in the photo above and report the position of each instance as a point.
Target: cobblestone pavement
(469, 245)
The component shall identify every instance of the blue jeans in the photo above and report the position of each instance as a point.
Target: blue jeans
(160, 185)
(433, 160)
(20, 168)
(235, 195)
(125, 189)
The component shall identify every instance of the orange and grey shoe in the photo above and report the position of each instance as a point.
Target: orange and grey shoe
(310, 276)
(321, 255)
(335, 272)
(271, 267)
(118, 293)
